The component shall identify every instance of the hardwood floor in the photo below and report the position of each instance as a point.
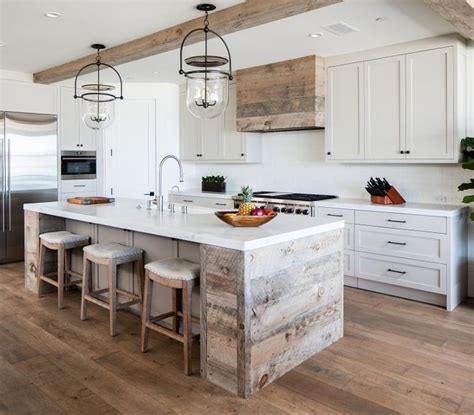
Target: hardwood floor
(397, 356)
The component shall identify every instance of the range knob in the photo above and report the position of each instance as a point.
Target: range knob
(283, 210)
(289, 210)
(305, 212)
(276, 209)
(298, 211)
(263, 207)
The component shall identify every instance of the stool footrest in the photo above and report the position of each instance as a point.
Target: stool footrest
(168, 332)
(47, 278)
(97, 298)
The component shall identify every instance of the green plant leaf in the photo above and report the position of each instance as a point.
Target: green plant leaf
(472, 216)
(467, 142)
(468, 199)
(466, 186)
(468, 165)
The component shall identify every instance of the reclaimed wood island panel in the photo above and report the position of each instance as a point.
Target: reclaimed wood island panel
(271, 297)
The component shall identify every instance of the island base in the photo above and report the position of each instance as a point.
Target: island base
(265, 311)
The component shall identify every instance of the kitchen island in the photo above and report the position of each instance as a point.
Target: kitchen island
(270, 297)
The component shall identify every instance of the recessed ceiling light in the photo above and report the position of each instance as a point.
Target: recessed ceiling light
(319, 34)
(381, 19)
(52, 15)
(2, 44)
(155, 72)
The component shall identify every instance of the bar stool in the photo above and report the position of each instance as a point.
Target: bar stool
(180, 275)
(111, 255)
(63, 242)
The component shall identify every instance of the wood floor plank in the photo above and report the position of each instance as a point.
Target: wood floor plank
(397, 356)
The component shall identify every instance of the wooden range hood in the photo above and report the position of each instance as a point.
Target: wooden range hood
(282, 96)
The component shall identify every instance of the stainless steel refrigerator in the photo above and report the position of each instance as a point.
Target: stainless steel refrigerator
(28, 174)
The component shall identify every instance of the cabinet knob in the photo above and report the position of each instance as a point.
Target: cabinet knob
(328, 153)
(407, 152)
(242, 154)
(402, 152)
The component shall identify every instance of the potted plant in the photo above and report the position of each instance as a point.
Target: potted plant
(468, 150)
(213, 184)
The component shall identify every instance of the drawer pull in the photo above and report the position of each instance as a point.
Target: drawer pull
(396, 272)
(336, 216)
(221, 204)
(79, 185)
(188, 201)
(397, 243)
(396, 221)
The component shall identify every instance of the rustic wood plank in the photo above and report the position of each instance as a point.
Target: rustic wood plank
(460, 13)
(282, 95)
(242, 16)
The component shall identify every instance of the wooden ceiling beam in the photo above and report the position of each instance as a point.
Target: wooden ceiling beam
(460, 13)
(242, 16)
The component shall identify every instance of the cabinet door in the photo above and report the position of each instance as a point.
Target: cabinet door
(430, 112)
(232, 140)
(384, 108)
(130, 165)
(210, 138)
(188, 132)
(87, 136)
(68, 120)
(344, 131)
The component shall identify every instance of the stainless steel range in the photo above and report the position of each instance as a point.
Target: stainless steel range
(285, 202)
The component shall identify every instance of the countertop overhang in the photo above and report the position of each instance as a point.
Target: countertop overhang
(197, 225)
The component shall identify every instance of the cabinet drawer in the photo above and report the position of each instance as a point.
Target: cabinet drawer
(346, 214)
(190, 200)
(408, 273)
(401, 221)
(424, 246)
(79, 186)
(349, 236)
(349, 262)
(221, 204)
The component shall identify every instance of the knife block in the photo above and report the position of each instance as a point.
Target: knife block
(391, 198)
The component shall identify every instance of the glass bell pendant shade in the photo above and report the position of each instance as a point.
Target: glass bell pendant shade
(97, 114)
(207, 94)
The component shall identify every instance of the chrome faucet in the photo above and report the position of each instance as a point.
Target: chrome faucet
(159, 200)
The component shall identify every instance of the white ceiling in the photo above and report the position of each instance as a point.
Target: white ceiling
(38, 43)
(34, 42)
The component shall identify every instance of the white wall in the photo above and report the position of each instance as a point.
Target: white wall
(294, 161)
(16, 76)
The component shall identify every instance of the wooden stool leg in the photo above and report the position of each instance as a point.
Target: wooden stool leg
(67, 267)
(187, 327)
(40, 271)
(61, 255)
(140, 277)
(177, 306)
(113, 297)
(146, 310)
(85, 286)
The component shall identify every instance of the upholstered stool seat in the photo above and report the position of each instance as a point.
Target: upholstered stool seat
(63, 242)
(111, 255)
(181, 276)
(174, 269)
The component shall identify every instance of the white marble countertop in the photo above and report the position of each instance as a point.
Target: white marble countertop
(429, 209)
(197, 225)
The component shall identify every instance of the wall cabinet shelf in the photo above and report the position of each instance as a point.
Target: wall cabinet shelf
(74, 135)
(217, 139)
(404, 108)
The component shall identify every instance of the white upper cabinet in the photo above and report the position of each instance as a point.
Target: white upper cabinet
(74, 135)
(430, 104)
(28, 97)
(217, 139)
(407, 108)
(384, 108)
(345, 109)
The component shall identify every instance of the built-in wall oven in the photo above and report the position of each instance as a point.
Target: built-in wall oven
(78, 165)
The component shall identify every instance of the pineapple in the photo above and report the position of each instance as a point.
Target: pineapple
(246, 207)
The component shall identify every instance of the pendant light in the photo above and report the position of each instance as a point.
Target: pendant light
(207, 88)
(98, 102)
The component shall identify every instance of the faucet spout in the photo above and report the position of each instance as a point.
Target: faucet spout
(160, 178)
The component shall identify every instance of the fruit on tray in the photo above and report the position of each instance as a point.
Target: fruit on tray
(258, 212)
(268, 212)
(246, 207)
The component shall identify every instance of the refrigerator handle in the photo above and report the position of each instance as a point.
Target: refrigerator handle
(4, 181)
(9, 187)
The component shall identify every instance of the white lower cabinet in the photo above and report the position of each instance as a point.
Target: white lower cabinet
(416, 256)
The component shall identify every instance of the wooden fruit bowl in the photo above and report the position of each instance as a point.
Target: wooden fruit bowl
(244, 221)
